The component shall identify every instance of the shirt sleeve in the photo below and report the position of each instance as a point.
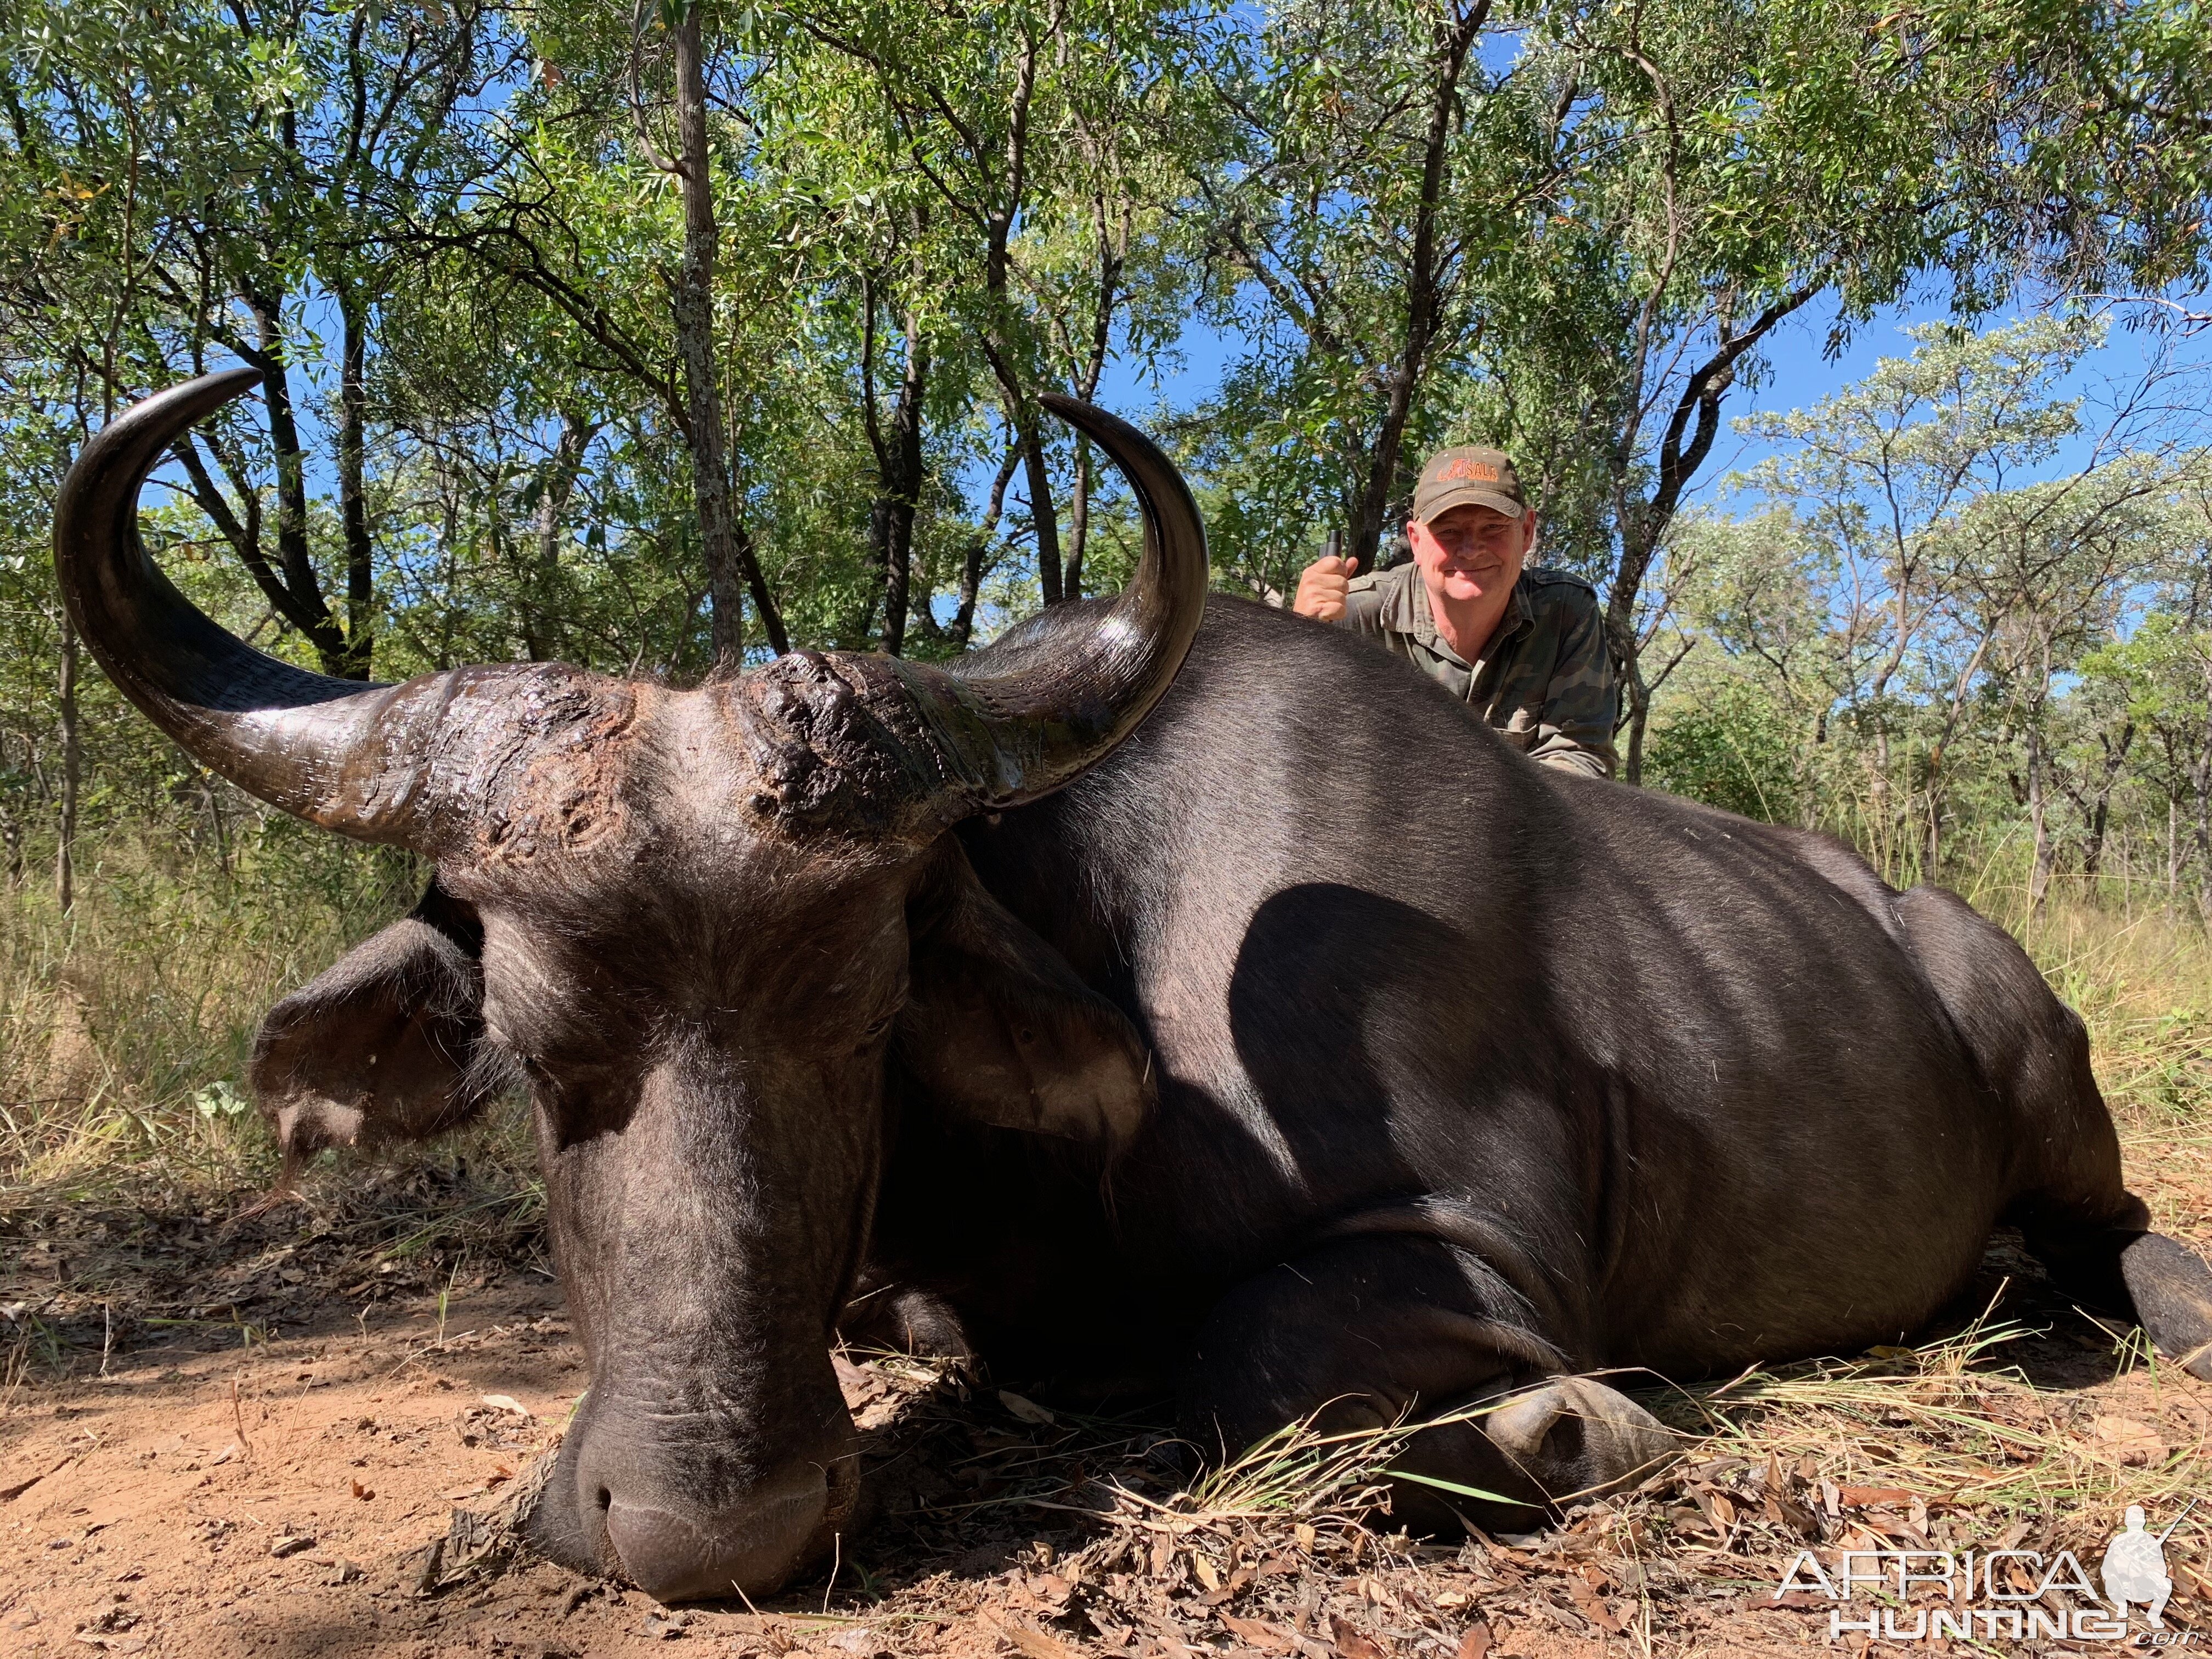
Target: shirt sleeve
(1582, 705)
(1362, 611)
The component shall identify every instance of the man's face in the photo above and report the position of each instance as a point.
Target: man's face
(1468, 553)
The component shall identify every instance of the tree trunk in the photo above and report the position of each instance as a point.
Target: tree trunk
(1022, 414)
(310, 612)
(2200, 790)
(66, 854)
(2200, 786)
(757, 584)
(695, 344)
(2039, 874)
(971, 564)
(554, 488)
(11, 836)
(1643, 522)
(1455, 35)
(1932, 865)
(1110, 261)
(1878, 794)
(353, 504)
(899, 478)
(1078, 520)
(1043, 518)
(2116, 755)
(1639, 722)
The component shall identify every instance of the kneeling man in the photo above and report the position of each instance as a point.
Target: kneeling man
(1523, 647)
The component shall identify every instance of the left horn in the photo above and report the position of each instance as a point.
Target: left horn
(345, 753)
(1030, 712)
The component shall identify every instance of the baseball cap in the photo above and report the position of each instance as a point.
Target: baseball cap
(1469, 476)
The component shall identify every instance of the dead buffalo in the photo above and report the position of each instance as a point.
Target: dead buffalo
(1215, 1000)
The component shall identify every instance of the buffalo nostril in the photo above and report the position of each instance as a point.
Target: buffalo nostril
(678, 1554)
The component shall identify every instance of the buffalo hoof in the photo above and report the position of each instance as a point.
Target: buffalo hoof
(1575, 1438)
(2172, 1289)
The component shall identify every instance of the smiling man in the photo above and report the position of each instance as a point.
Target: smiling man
(1522, 645)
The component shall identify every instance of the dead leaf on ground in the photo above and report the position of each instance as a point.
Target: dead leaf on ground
(1476, 1642)
(1034, 1642)
(1351, 1643)
(1719, 1508)
(1027, 1411)
(1865, 1495)
(2130, 1443)
(1258, 1633)
(1592, 1606)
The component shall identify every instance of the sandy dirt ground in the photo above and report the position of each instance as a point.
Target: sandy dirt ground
(175, 1480)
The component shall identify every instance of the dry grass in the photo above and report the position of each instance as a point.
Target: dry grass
(126, 1024)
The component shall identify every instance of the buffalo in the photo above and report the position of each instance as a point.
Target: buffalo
(1173, 990)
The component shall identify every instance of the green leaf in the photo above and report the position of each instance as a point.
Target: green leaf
(1475, 1492)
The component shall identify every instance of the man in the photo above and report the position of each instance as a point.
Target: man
(1523, 647)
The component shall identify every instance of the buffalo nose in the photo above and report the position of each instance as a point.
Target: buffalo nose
(675, 1554)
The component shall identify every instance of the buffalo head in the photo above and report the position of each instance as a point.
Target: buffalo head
(700, 925)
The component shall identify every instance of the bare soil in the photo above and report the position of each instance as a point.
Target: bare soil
(243, 1435)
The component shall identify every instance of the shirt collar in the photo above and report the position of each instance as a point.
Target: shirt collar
(1405, 610)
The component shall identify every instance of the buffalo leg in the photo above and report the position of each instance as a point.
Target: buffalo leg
(1370, 1333)
(2034, 1052)
(902, 1319)
(2171, 1290)
(2159, 1282)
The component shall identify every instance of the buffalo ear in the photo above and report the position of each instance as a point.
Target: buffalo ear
(998, 1027)
(379, 1046)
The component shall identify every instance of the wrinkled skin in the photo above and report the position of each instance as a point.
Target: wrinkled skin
(1286, 1040)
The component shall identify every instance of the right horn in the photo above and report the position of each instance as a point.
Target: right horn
(1030, 712)
(347, 755)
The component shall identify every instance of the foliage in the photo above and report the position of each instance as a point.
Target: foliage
(1736, 750)
(1970, 593)
(458, 241)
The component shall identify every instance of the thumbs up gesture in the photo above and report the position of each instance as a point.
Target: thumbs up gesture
(1323, 586)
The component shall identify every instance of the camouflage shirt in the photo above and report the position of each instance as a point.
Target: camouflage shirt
(1546, 680)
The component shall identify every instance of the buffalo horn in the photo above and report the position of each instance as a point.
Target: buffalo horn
(1029, 713)
(343, 753)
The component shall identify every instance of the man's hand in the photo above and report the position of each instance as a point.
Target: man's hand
(1323, 587)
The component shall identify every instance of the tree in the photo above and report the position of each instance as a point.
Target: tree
(1982, 533)
(1369, 165)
